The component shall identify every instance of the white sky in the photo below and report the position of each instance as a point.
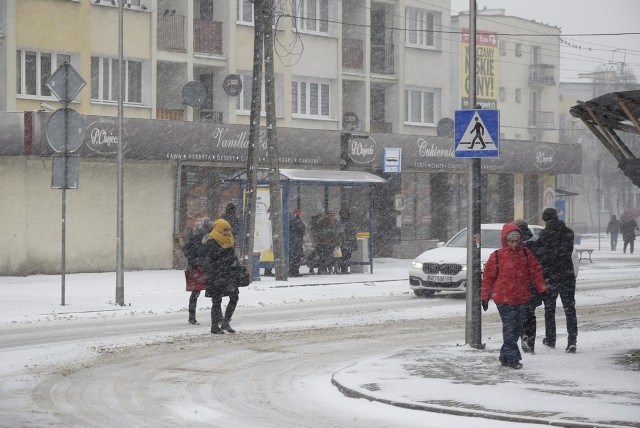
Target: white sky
(580, 17)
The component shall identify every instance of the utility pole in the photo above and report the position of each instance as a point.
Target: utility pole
(249, 214)
(275, 194)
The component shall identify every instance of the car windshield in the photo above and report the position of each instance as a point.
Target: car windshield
(488, 239)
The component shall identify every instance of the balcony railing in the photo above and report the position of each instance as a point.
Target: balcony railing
(169, 114)
(210, 116)
(542, 74)
(353, 54)
(207, 36)
(172, 32)
(382, 58)
(541, 119)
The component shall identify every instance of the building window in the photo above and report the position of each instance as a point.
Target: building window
(311, 98)
(243, 101)
(421, 106)
(502, 46)
(502, 94)
(518, 49)
(421, 26)
(518, 95)
(245, 11)
(34, 68)
(105, 82)
(312, 15)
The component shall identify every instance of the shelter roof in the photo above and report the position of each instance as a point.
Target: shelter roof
(316, 176)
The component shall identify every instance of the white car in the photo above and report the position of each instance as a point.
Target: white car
(445, 268)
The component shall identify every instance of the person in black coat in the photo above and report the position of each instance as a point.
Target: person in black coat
(194, 251)
(220, 256)
(231, 215)
(528, 338)
(297, 229)
(613, 228)
(628, 228)
(349, 241)
(556, 247)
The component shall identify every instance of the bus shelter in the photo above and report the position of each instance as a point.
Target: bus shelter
(295, 179)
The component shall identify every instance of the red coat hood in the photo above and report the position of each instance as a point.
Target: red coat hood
(506, 229)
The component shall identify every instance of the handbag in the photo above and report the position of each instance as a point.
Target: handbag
(196, 278)
(238, 276)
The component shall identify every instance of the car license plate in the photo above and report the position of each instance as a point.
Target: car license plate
(435, 278)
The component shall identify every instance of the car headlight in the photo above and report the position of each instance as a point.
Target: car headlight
(416, 265)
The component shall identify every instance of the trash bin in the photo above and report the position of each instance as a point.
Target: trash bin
(255, 273)
(361, 254)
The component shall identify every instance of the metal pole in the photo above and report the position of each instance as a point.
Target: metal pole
(275, 194)
(599, 204)
(249, 214)
(120, 209)
(473, 330)
(63, 267)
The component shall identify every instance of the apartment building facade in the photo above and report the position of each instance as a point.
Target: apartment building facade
(377, 69)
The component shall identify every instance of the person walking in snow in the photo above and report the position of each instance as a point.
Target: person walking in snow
(506, 279)
(628, 229)
(194, 251)
(220, 255)
(556, 249)
(613, 229)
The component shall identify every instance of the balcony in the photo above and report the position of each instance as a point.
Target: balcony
(382, 58)
(207, 36)
(169, 114)
(542, 74)
(171, 33)
(380, 127)
(353, 54)
(541, 119)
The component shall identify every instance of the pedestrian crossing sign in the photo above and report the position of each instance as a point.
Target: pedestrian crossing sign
(477, 133)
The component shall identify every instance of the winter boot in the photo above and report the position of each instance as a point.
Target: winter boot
(549, 343)
(571, 348)
(226, 327)
(215, 329)
(192, 320)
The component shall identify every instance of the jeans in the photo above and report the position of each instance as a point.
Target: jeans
(512, 317)
(614, 241)
(567, 297)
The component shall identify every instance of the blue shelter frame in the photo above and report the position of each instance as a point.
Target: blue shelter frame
(327, 178)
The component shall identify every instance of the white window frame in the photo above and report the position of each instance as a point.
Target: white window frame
(421, 26)
(24, 82)
(311, 98)
(312, 16)
(110, 94)
(241, 6)
(243, 100)
(428, 100)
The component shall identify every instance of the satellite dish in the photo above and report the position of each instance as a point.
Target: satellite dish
(193, 93)
(445, 127)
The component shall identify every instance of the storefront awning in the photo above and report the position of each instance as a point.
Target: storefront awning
(316, 176)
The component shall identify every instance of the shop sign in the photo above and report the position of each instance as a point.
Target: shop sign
(362, 150)
(545, 158)
(103, 136)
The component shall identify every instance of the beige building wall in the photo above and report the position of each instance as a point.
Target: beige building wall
(32, 217)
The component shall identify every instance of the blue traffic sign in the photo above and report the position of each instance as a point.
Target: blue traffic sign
(477, 133)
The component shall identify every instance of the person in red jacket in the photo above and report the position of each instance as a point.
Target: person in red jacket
(506, 280)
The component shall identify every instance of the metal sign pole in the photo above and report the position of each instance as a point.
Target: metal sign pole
(120, 186)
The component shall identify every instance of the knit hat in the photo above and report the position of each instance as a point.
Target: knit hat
(206, 224)
(549, 214)
(513, 234)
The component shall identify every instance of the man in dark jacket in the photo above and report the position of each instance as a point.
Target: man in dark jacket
(628, 229)
(613, 228)
(555, 242)
(297, 229)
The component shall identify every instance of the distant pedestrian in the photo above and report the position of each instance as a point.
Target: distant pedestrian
(628, 229)
(349, 241)
(194, 251)
(556, 249)
(297, 230)
(220, 255)
(613, 229)
(231, 215)
(506, 279)
(326, 240)
(528, 337)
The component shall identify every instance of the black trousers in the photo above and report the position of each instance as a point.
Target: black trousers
(216, 307)
(193, 304)
(529, 326)
(567, 297)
